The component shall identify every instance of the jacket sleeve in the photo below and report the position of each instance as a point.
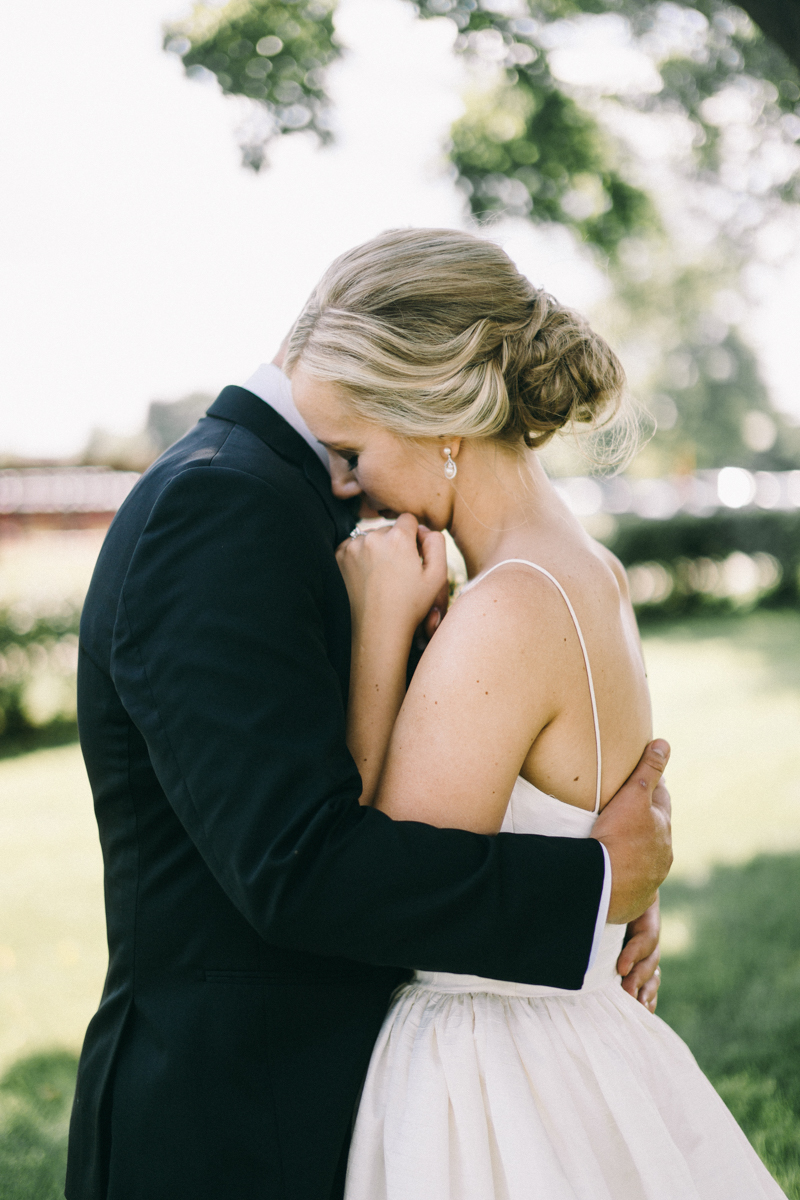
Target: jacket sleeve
(221, 660)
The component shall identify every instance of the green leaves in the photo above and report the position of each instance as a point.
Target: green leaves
(527, 149)
(272, 52)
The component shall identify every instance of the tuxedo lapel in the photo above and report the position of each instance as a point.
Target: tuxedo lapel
(244, 408)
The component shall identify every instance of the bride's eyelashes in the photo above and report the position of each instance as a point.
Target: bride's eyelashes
(350, 457)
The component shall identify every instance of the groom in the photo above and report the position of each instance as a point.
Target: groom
(258, 917)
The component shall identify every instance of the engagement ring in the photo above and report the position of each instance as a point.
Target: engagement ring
(354, 533)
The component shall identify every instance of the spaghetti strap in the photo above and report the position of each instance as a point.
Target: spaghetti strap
(526, 562)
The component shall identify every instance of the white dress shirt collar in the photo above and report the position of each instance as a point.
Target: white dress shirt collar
(271, 385)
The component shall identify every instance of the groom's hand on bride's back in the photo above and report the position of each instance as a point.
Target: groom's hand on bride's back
(635, 829)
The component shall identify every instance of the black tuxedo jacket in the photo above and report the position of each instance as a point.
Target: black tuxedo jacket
(258, 917)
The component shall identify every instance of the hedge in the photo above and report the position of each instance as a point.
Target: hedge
(723, 562)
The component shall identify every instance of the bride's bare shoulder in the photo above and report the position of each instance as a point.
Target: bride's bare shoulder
(504, 603)
(513, 581)
(611, 561)
(526, 595)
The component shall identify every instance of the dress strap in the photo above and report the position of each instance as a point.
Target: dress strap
(525, 562)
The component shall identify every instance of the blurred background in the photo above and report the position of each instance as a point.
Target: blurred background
(175, 180)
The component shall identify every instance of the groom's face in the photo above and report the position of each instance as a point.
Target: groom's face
(392, 474)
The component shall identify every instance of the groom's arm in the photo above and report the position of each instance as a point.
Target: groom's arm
(221, 658)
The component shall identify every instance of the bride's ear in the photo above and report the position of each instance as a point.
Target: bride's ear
(453, 444)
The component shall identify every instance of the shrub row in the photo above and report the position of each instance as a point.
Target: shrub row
(38, 660)
(730, 561)
(724, 562)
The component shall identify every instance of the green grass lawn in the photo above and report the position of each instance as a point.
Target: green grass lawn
(733, 994)
(35, 1100)
(52, 934)
(726, 693)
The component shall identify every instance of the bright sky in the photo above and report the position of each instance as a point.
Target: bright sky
(140, 261)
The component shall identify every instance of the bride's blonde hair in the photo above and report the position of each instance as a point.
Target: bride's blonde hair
(434, 332)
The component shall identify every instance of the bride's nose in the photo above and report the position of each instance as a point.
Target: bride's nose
(343, 482)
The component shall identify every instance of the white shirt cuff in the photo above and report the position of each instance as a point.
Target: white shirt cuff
(602, 912)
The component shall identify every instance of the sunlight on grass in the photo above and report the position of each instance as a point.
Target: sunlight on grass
(52, 936)
(726, 695)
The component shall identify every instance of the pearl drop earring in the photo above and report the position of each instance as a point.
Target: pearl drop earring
(450, 468)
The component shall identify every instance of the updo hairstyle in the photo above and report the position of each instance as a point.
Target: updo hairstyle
(432, 332)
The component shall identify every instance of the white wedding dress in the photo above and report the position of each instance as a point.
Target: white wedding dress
(480, 1089)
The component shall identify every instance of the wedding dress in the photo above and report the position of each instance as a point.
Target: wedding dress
(481, 1089)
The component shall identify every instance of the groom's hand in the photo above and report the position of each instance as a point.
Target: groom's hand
(638, 962)
(635, 829)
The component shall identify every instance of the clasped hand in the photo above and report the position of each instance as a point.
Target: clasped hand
(397, 574)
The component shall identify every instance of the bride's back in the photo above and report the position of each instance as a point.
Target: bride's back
(562, 759)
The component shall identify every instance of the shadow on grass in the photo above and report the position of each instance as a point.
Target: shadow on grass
(24, 741)
(35, 1100)
(734, 996)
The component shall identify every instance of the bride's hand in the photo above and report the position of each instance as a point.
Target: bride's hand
(394, 574)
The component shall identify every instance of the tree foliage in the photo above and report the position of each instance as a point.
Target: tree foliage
(271, 52)
(527, 149)
(531, 146)
(703, 50)
(701, 381)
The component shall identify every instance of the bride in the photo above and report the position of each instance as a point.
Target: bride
(432, 371)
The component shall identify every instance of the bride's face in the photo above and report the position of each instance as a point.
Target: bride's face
(393, 474)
